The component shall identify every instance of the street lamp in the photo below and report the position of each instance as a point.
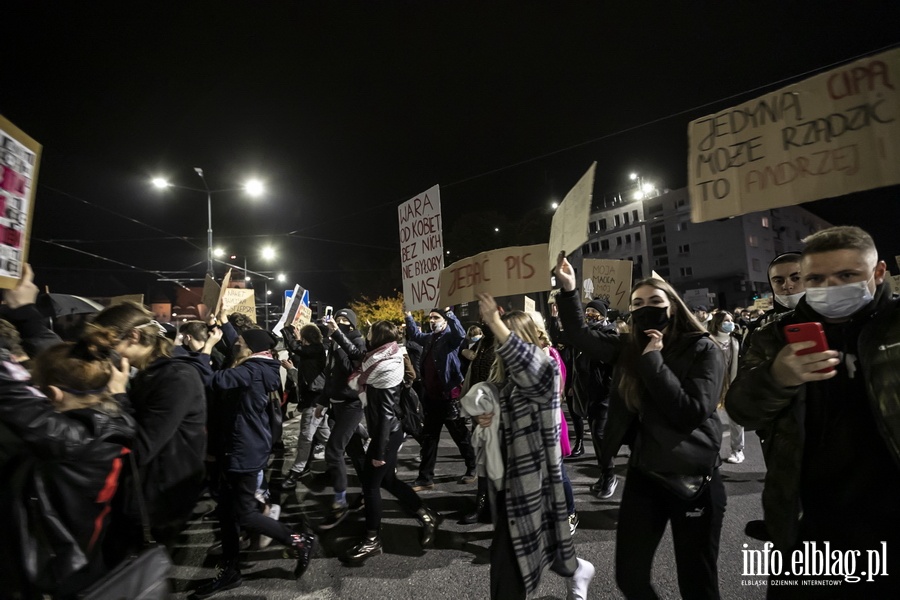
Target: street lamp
(252, 187)
(645, 189)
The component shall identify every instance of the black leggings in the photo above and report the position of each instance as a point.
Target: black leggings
(374, 478)
(696, 527)
(238, 508)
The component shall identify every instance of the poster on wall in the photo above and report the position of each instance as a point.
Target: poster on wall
(19, 160)
(830, 135)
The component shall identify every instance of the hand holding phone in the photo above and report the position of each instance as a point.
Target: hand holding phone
(806, 356)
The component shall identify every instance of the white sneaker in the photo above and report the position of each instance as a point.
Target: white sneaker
(579, 582)
(736, 458)
(273, 512)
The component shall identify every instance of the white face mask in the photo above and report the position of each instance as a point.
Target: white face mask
(790, 300)
(839, 301)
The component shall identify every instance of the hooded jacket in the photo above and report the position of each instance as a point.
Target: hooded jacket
(780, 414)
(60, 472)
(248, 434)
(338, 367)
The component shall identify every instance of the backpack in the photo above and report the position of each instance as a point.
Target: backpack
(409, 411)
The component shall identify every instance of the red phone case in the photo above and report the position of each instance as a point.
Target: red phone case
(808, 332)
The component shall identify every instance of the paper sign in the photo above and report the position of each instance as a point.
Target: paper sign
(19, 159)
(136, 298)
(288, 304)
(529, 304)
(609, 280)
(763, 304)
(826, 136)
(897, 258)
(226, 281)
(696, 297)
(421, 249)
(656, 275)
(503, 272)
(569, 229)
(239, 300)
(302, 311)
(895, 283)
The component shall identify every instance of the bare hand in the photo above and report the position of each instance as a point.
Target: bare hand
(320, 411)
(287, 364)
(656, 341)
(790, 369)
(484, 420)
(467, 354)
(332, 325)
(488, 307)
(118, 382)
(565, 274)
(25, 291)
(215, 336)
(377, 463)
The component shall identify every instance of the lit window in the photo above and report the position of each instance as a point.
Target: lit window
(765, 222)
(753, 241)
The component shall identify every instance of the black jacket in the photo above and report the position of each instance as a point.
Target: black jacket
(248, 437)
(307, 378)
(677, 430)
(169, 404)
(338, 367)
(60, 471)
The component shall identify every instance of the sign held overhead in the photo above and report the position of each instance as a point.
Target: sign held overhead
(569, 229)
(421, 249)
(503, 272)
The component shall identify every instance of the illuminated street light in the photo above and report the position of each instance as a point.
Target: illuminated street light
(647, 188)
(268, 253)
(219, 252)
(633, 176)
(281, 277)
(253, 187)
(496, 230)
(554, 205)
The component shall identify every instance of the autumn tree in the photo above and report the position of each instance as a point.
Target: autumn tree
(382, 308)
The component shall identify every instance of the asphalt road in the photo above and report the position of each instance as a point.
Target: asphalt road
(457, 568)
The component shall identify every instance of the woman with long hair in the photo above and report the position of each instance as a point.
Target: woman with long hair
(63, 439)
(667, 379)
(379, 380)
(721, 329)
(531, 526)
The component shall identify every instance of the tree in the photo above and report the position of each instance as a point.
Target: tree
(382, 308)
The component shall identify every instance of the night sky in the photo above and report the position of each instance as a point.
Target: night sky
(347, 109)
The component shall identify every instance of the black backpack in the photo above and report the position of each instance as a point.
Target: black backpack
(409, 411)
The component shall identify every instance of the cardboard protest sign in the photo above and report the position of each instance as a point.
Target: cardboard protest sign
(895, 283)
(421, 249)
(609, 280)
(136, 298)
(529, 304)
(226, 281)
(829, 135)
(239, 300)
(569, 229)
(897, 258)
(302, 313)
(211, 293)
(20, 157)
(763, 304)
(503, 272)
(696, 297)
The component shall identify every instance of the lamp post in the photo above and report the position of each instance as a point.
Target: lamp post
(253, 187)
(644, 188)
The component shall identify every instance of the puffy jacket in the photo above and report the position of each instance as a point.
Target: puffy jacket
(169, 404)
(60, 472)
(757, 402)
(248, 437)
(445, 351)
(677, 430)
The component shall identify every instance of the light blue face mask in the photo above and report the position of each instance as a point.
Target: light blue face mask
(475, 338)
(839, 301)
(727, 326)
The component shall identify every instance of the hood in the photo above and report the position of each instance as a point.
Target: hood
(268, 368)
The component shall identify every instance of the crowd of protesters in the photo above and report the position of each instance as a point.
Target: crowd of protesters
(82, 420)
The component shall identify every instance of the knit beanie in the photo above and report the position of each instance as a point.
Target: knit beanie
(259, 340)
(598, 305)
(347, 314)
(439, 311)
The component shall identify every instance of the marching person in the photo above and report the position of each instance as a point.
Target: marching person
(668, 376)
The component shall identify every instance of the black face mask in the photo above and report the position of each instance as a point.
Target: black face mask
(345, 329)
(649, 317)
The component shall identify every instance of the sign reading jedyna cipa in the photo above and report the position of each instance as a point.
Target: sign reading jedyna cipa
(503, 272)
(829, 135)
(19, 160)
(421, 249)
(569, 229)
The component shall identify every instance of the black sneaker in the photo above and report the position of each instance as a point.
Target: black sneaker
(293, 477)
(368, 547)
(228, 577)
(358, 504)
(608, 485)
(302, 546)
(577, 449)
(338, 514)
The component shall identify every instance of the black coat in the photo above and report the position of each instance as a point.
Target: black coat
(338, 368)
(60, 471)
(677, 430)
(169, 404)
(308, 376)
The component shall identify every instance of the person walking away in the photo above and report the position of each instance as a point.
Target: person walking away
(721, 328)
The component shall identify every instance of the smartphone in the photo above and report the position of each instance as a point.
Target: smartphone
(808, 332)
(329, 312)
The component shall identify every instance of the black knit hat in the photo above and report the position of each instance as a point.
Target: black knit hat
(439, 311)
(598, 305)
(347, 314)
(259, 340)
